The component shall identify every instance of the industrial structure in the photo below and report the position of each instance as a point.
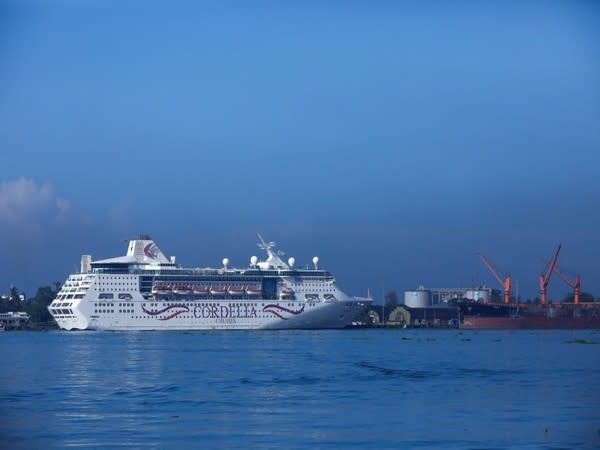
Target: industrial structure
(440, 297)
(545, 277)
(504, 283)
(481, 307)
(576, 285)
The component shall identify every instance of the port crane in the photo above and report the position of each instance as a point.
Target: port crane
(576, 285)
(505, 284)
(545, 278)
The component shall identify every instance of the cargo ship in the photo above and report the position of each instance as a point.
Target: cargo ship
(144, 290)
(528, 316)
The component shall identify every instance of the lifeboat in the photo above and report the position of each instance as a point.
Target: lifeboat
(253, 291)
(200, 290)
(217, 290)
(236, 291)
(286, 292)
(159, 289)
(181, 290)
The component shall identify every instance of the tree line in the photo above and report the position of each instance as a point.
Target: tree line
(36, 307)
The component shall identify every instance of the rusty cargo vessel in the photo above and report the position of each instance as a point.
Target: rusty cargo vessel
(520, 316)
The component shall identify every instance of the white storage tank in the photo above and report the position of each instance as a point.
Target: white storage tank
(420, 298)
(479, 295)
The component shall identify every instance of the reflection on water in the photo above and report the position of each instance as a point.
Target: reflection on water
(373, 388)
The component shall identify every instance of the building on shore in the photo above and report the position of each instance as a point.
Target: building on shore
(428, 317)
(431, 307)
(423, 297)
(13, 320)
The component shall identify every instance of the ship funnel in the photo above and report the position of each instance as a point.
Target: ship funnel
(86, 263)
(146, 250)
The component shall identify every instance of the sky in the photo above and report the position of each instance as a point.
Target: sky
(392, 139)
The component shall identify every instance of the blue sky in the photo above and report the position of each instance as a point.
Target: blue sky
(392, 140)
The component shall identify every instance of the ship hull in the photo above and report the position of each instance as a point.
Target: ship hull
(534, 323)
(221, 315)
(542, 317)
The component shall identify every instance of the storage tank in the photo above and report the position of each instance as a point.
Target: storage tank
(479, 295)
(420, 298)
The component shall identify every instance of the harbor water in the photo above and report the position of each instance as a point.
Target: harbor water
(365, 388)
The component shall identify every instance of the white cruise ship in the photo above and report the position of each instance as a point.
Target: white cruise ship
(146, 291)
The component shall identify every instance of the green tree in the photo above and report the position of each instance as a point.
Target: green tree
(12, 302)
(391, 299)
(584, 297)
(13, 295)
(37, 307)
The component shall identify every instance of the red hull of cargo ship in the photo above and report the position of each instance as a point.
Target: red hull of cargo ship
(534, 323)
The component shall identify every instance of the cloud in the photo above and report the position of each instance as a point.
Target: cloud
(63, 206)
(24, 203)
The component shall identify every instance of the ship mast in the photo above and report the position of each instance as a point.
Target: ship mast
(273, 260)
(267, 247)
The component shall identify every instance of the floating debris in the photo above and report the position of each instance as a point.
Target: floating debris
(580, 341)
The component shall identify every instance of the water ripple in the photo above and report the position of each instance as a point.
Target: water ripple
(365, 388)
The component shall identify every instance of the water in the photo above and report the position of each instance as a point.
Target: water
(298, 389)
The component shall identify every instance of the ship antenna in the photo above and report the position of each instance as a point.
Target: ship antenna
(266, 246)
(262, 244)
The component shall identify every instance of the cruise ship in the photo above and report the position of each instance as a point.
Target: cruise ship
(145, 290)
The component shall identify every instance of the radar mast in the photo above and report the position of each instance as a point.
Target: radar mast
(273, 261)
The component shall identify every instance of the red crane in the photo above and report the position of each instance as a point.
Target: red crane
(505, 284)
(576, 285)
(545, 278)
